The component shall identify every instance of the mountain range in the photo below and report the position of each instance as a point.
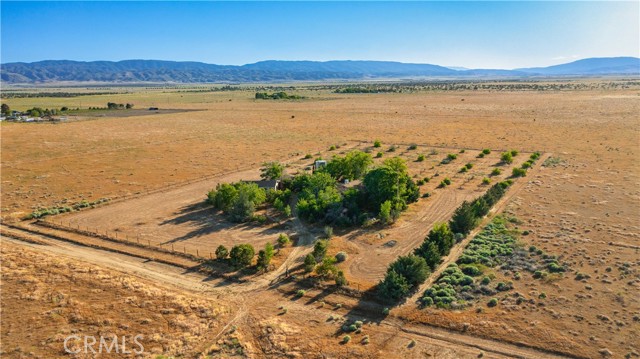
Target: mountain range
(156, 71)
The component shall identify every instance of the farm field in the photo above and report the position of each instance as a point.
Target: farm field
(580, 203)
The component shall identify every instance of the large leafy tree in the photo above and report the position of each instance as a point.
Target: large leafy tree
(393, 287)
(442, 237)
(390, 183)
(464, 219)
(412, 267)
(352, 166)
(430, 252)
(241, 255)
(272, 170)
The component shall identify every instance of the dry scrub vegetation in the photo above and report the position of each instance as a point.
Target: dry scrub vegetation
(580, 206)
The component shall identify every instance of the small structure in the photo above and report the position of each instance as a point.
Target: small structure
(318, 164)
(153, 109)
(268, 184)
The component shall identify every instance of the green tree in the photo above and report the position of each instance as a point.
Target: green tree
(341, 280)
(309, 263)
(320, 250)
(265, 256)
(385, 212)
(272, 170)
(397, 164)
(464, 219)
(241, 255)
(506, 157)
(393, 287)
(352, 166)
(5, 109)
(327, 269)
(430, 252)
(443, 238)
(385, 184)
(283, 240)
(222, 252)
(412, 267)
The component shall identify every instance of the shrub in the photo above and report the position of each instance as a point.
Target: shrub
(420, 182)
(222, 252)
(506, 157)
(264, 256)
(300, 293)
(526, 165)
(502, 287)
(341, 257)
(379, 154)
(413, 146)
(346, 339)
(385, 311)
(309, 263)
(332, 148)
(308, 156)
(365, 339)
(519, 172)
(340, 279)
(392, 148)
(534, 156)
(480, 155)
(486, 181)
(539, 274)
(514, 153)
(320, 250)
(377, 143)
(427, 301)
(492, 302)
(421, 158)
(447, 180)
(327, 268)
(464, 169)
(241, 255)
(470, 269)
(469, 165)
(452, 156)
(496, 172)
(485, 280)
(328, 232)
(554, 267)
(486, 151)
(283, 240)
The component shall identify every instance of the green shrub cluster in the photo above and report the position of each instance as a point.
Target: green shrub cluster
(276, 96)
(238, 200)
(52, 211)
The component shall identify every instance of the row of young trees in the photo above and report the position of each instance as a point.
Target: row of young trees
(408, 272)
(241, 255)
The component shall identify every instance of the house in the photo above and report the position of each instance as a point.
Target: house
(268, 184)
(318, 164)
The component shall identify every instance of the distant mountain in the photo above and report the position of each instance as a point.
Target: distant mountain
(155, 71)
(591, 67)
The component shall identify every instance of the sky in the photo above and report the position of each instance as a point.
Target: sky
(475, 34)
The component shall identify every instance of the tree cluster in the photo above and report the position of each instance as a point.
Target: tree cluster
(238, 200)
(406, 273)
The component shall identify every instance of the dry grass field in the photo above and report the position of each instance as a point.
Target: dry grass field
(582, 205)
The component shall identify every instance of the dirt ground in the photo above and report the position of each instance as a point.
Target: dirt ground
(585, 208)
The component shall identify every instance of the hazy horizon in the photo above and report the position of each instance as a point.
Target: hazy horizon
(491, 35)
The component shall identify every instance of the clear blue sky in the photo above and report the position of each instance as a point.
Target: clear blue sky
(471, 34)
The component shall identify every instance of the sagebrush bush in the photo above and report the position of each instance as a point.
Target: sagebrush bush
(341, 256)
(421, 158)
(377, 143)
(492, 302)
(519, 172)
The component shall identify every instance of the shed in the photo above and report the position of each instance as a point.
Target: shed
(268, 184)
